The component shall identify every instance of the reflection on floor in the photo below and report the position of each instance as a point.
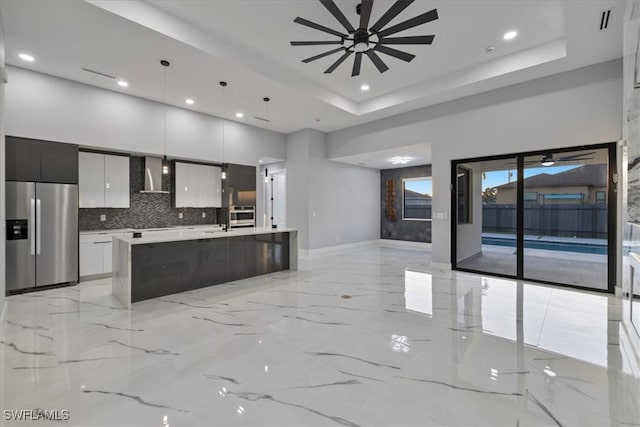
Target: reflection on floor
(588, 270)
(410, 347)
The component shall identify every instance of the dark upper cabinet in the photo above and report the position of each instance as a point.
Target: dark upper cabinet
(239, 189)
(41, 161)
(23, 159)
(59, 163)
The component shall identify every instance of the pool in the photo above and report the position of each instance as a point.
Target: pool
(580, 247)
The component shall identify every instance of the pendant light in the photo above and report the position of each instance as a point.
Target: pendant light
(165, 161)
(223, 175)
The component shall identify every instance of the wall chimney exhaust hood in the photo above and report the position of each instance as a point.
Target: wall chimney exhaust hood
(153, 175)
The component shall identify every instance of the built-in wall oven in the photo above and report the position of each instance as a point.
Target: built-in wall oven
(242, 216)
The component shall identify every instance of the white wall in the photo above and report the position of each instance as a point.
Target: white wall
(46, 107)
(579, 107)
(330, 203)
(2, 168)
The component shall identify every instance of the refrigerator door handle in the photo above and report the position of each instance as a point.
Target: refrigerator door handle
(39, 226)
(32, 227)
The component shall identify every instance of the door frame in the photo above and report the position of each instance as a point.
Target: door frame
(612, 214)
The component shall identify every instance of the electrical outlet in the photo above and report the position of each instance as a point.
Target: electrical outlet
(180, 215)
(204, 214)
(103, 217)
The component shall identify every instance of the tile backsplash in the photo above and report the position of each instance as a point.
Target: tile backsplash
(147, 210)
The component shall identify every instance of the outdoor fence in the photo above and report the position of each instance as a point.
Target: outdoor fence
(584, 220)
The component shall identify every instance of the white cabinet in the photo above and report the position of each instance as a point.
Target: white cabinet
(103, 180)
(91, 179)
(116, 181)
(182, 185)
(197, 186)
(95, 253)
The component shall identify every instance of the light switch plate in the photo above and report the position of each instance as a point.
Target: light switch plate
(103, 217)
(180, 215)
(204, 214)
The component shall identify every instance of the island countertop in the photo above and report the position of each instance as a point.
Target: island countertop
(194, 234)
(168, 262)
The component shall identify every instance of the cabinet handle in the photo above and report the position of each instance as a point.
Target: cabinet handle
(102, 242)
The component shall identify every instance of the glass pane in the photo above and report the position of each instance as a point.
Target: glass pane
(416, 198)
(565, 230)
(486, 234)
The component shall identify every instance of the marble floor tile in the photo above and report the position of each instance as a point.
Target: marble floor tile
(370, 336)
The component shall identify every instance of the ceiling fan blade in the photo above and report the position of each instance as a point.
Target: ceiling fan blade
(365, 13)
(380, 65)
(315, 43)
(575, 156)
(338, 62)
(315, 26)
(407, 57)
(322, 55)
(408, 40)
(410, 23)
(393, 11)
(357, 63)
(335, 11)
(576, 160)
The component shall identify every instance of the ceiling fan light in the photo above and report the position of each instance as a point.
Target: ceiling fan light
(361, 46)
(546, 161)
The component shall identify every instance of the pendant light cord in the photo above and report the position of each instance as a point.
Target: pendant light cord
(164, 95)
(223, 120)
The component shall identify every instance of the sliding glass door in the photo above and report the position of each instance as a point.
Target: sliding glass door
(566, 208)
(543, 216)
(486, 225)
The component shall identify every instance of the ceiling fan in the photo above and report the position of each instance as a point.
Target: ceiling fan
(549, 160)
(368, 40)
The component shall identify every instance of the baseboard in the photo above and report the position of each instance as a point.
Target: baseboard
(403, 244)
(94, 277)
(328, 250)
(471, 257)
(442, 266)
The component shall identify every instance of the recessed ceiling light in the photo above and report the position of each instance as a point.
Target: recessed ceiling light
(26, 57)
(400, 160)
(239, 115)
(510, 35)
(189, 101)
(122, 83)
(259, 161)
(364, 88)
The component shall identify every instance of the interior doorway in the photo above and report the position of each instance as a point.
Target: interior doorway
(276, 200)
(546, 216)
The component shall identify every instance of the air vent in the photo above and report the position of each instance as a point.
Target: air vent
(262, 118)
(88, 70)
(604, 19)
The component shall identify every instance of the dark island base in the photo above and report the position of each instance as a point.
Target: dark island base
(166, 268)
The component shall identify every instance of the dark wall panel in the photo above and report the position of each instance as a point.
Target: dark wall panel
(414, 231)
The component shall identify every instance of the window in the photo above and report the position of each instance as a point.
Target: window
(464, 196)
(564, 196)
(531, 197)
(601, 197)
(416, 198)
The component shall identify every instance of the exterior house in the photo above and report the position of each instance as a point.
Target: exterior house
(584, 184)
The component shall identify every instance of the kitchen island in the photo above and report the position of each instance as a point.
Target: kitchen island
(159, 264)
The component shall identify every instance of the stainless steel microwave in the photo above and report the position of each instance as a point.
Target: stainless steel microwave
(242, 216)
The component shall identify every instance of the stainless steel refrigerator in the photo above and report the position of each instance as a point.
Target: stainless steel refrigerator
(42, 234)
